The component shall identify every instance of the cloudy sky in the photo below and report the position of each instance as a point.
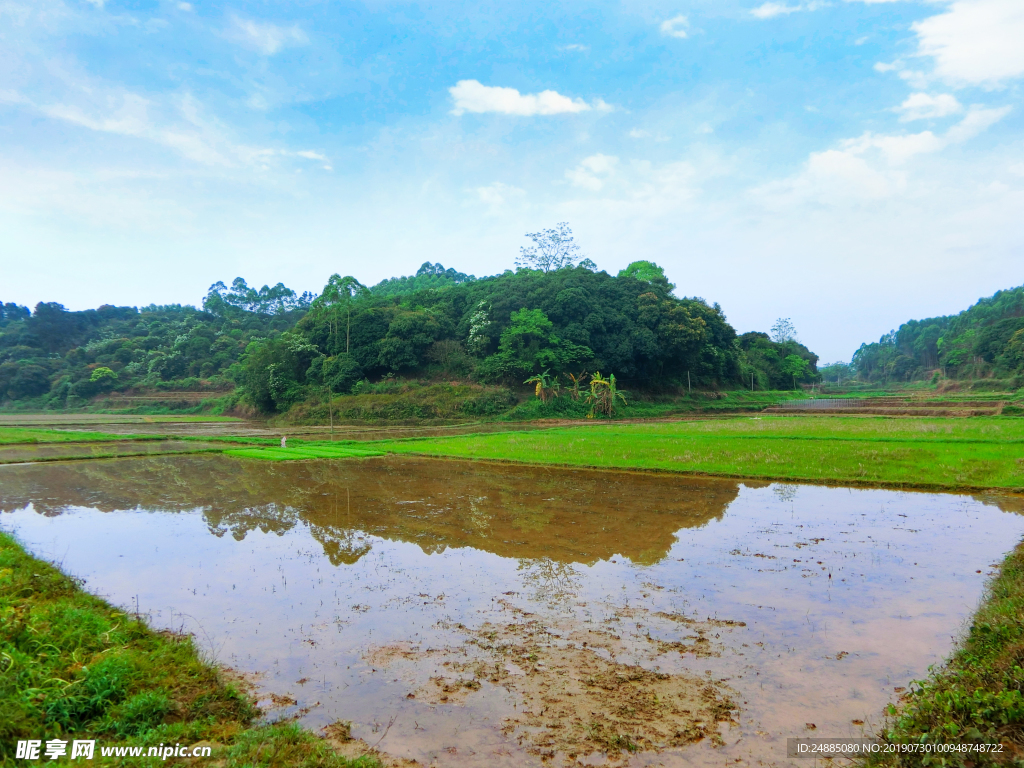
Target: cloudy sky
(844, 163)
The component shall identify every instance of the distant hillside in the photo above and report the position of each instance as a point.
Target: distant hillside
(277, 349)
(984, 341)
(55, 358)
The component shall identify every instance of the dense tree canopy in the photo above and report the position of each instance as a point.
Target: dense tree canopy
(517, 325)
(986, 339)
(281, 348)
(58, 358)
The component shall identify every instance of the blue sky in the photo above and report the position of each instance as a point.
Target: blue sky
(847, 164)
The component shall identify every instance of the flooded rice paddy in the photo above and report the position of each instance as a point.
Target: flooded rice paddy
(469, 614)
(29, 452)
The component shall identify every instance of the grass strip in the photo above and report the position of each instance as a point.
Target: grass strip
(977, 697)
(73, 667)
(110, 455)
(307, 451)
(719, 448)
(22, 435)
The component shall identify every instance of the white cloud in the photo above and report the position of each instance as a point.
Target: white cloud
(869, 167)
(921, 106)
(498, 194)
(896, 150)
(574, 47)
(641, 133)
(978, 119)
(843, 174)
(98, 3)
(474, 96)
(915, 78)
(184, 6)
(976, 42)
(128, 114)
(675, 27)
(588, 174)
(8, 96)
(771, 10)
(265, 37)
(180, 124)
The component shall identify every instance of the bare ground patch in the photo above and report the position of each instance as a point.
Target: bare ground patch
(574, 696)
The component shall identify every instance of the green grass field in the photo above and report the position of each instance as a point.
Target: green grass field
(922, 453)
(307, 451)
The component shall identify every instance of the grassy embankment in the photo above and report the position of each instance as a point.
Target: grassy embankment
(73, 667)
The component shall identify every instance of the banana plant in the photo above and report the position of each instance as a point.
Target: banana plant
(546, 386)
(603, 395)
(578, 380)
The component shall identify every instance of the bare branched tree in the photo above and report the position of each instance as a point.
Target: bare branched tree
(783, 331)
(552, 249)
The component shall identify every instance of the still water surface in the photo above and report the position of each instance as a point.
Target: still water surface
(472, 614)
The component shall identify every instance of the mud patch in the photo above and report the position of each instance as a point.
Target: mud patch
(339, 736)
(573, 698)
(383, 656)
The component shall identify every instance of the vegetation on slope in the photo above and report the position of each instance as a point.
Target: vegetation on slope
(54, 358)
(505, 329)
(986, 340)
(73, 667)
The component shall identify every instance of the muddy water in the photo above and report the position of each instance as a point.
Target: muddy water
(22, 452)
(466, 614)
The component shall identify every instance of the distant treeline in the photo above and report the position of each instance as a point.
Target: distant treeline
(281, 348)
(984, 341)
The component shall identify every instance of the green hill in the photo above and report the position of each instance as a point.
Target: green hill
(277, 349)
(984, 341)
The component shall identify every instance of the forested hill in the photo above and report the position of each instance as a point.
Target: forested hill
(985, 340)
(281, 348)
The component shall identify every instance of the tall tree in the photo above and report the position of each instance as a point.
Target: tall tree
(552, 249)
(650, 273)
(338, 295)
(783, 331)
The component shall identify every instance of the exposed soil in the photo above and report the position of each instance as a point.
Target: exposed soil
(339, 736)
(573, 696)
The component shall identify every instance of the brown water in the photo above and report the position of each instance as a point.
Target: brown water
(27, 452)
(467, 614)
